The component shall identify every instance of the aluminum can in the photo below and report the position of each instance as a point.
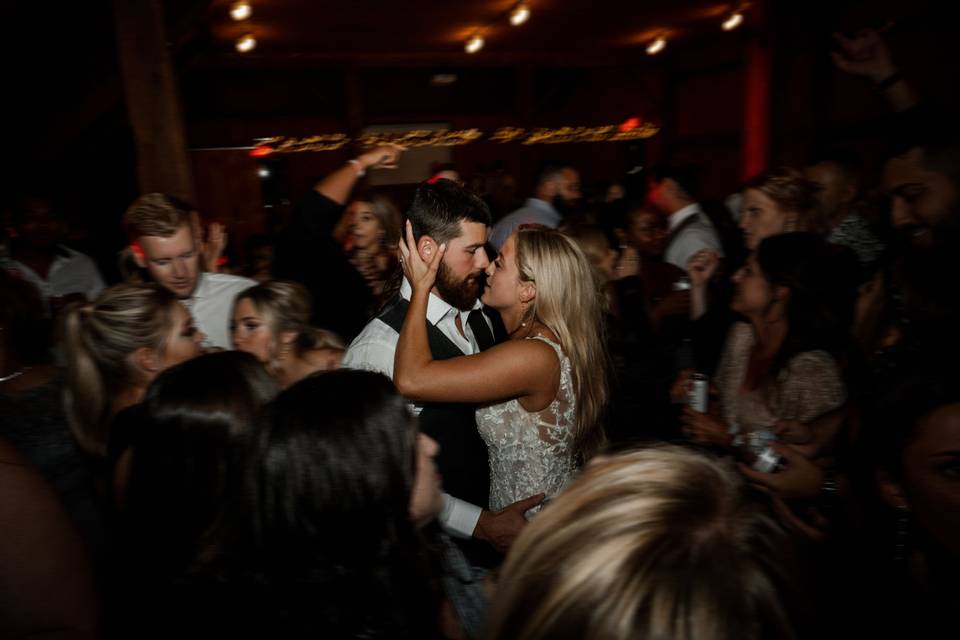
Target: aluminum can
(697, 392)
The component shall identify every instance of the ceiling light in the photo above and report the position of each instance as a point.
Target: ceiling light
(657, 46)
(734, 21)
(474, 44)
(264, 172)
(520, 14)
(443, 78)
(240, 11)
(246, 43)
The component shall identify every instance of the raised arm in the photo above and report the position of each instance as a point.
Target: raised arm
(338, 185)
(514, 369)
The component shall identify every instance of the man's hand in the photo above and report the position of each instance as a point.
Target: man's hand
(214, 246)
(701, 267)
(501, 528)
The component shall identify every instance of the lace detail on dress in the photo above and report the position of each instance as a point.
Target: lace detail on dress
(531, 453)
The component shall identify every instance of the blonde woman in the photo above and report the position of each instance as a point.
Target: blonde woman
(779, 201)
(115, 346)
(544, 389)
(272, 321)
(655, 543)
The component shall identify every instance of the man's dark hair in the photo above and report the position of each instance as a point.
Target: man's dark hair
(849, 162)
(549, 171)
(687, 176)
(440, 206)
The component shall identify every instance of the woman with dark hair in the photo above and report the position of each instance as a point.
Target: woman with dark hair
(782, 363)
(178, 485)
(334, 501)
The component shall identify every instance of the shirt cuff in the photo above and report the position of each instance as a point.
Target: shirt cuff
(458, 517)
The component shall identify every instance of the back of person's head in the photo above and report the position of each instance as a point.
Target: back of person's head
(654, 543)
(187, 457)
(847, 162)
(156, 214)
(24, 331)
(822, 291)
(569, 301)
(439, 207)
(100, 339)
(284, 307)
(329, 494)
(687, 178)
(793, 194)
(596, 245)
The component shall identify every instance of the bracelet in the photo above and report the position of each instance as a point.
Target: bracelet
(360, 170)
(888, 82)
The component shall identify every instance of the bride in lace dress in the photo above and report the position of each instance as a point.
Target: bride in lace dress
(541, 392)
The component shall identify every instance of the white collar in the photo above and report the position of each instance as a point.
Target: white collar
(437, 307)
(678, 216)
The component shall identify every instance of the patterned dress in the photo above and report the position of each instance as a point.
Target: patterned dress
(531, 453)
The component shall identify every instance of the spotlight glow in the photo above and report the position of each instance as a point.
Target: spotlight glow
(263, 172)
(240, 11)
(474, 44)
(657, 46)
(520, 14)
(246, 43)
(733, 22)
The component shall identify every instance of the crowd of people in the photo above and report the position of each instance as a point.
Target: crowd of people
(626, 414)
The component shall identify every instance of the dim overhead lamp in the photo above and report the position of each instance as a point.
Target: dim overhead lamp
(240, 11)
(520, 14)
(474, 44)
(657, 46)
(734, 21)
(246, 43)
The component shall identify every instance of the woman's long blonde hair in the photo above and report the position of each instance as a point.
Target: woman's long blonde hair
(99, 338)
(570, 304)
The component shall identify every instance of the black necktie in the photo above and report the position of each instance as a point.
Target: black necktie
(480, 329)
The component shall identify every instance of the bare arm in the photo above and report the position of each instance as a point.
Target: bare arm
(517, 368)
(867, 55)
(338, 185)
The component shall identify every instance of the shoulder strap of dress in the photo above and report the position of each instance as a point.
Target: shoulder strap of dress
(555, 345)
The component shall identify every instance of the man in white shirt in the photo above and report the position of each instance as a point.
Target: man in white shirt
(164, 242)
(690, 230)
(444, 213)
(58, 272)
(558, 190)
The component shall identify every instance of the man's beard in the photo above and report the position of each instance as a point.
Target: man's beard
(564, 208)
(461, 294)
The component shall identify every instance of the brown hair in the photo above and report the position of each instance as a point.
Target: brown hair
(794, 194)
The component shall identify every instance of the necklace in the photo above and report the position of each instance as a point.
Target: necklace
(14, 375)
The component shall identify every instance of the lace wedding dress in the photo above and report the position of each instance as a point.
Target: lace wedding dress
(531, 453)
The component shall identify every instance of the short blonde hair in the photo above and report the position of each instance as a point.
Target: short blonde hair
(157, 214)
(654, 543)
(792, 193)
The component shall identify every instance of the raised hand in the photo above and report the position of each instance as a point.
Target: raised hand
(383, 157)
(421, 274)
(865, 54)
(701, 267)
(501, 528)
(214, 246)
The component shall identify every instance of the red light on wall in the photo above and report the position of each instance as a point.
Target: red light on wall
(262, 150)
(630, 124)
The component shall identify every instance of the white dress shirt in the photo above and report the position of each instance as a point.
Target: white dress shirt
(71, 272)
(212, 305)
(374, 350)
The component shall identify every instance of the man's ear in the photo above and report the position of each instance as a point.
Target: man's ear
(891, 491)
(427, 247)
(138, 256)
(146, 360)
